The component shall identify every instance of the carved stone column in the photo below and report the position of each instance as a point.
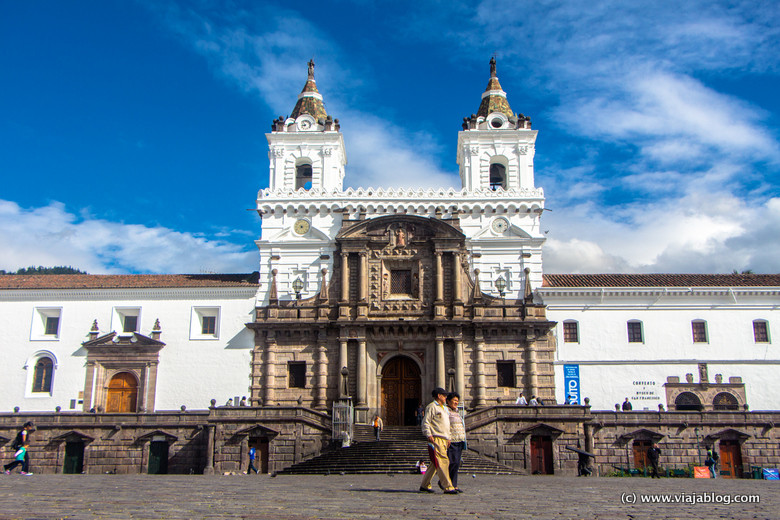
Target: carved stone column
(363, 278)
(439, 278)
(270, 370)
(440, 369)
(480, 368)
(460, 380)
(344, 277)
(361, 372)
(531, 364)
(322, 372)
(210, 433)
(343, 360)
(457, 276)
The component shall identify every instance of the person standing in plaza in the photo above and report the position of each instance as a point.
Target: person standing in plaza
(457, 438)
(21, 442)
(378, 426)
(252, 456)
(653, 454)
(420, 413)
(436, 428)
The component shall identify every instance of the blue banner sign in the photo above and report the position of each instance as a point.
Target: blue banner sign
(571, 382)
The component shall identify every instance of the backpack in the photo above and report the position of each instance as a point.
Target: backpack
(18, 442)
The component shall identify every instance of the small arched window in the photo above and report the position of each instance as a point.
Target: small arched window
(571, 332)
(635, 332)
(761, 331)
(303, 176)
(725, 401)
(687, 401)
(699, 330)
(497, 176)
(42, 375)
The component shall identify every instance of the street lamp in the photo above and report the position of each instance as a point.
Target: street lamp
(297, 286)
(500, 284)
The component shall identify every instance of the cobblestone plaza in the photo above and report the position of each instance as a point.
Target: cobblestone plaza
(379, 496)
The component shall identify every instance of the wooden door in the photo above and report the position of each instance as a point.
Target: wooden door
(730, 462)
(122, 393)
(541, 455)
(261, 453)
(401, 391)
(640, 453)
(74, 458)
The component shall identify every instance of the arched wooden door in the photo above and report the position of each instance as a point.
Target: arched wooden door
(122, 393)
(401, 391)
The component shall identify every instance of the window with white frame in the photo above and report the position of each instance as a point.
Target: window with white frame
(204, 323)
(699, 330)
(635, 331)
(760, 331)
(126, 320)
(41, 368)
(46, 323)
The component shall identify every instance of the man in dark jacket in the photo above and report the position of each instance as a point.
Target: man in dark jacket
(627, 405)
(653, 454)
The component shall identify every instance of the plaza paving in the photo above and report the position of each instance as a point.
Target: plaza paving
(372, 497)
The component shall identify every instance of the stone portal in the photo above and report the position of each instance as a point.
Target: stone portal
(401, 391)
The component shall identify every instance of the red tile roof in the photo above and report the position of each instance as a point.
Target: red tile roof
(126, 281)
(661, 280)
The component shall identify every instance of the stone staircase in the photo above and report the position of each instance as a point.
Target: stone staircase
(398, 451)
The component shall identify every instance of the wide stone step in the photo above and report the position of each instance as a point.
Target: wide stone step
(387, 456)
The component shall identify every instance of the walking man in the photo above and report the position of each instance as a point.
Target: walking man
(653, 454)
(252, 455)
(378, 426)
(436, 428)
(21, 441)
(457, 438)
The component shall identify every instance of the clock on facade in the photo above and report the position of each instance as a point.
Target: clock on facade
(304, 125)
(301, 226)
(500, 225)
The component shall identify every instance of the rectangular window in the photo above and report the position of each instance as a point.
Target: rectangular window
(635, 332)
(204, 323)
(506, 373)
(570, 332)
(401, 281)
(699, 329)
(52, 325)
(130, 324)
(297, 374)
(760, 332)
(209, 325)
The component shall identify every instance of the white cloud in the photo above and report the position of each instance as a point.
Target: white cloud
(51, 235)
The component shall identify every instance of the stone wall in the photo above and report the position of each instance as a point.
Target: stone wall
(205, 441)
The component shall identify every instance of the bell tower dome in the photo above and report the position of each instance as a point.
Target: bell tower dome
(306, 150)
(496, 146)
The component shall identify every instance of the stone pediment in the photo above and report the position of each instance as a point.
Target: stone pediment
(157, 435)
(642, 434)
(400, 230)
(116, 340)
(728, 434)
(73, 436)
(257, 430)
(486, 233)
(540, 429)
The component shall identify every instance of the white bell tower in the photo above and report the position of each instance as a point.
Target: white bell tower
(496, 147)
(306, 150)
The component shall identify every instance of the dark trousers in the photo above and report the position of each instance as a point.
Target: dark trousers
(376, 432)
(251, 467)
(25, 464)
(654, 469)
(455, 454)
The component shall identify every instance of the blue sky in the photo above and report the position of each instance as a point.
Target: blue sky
(132, 133)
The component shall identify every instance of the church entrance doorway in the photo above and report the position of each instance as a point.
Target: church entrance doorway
(542, 455)
(122, 393)
(401, 391)
(730, 459)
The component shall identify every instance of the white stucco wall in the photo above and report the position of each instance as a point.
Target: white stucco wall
(191, 371)
(612, 369)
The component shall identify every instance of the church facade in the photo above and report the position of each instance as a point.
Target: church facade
(373, 297)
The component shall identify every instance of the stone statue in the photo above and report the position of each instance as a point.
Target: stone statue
(311, 69)
(493, 67)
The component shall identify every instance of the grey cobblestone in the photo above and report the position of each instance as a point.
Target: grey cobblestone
(366, 497)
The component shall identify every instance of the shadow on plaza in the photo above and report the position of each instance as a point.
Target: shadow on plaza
(385, 490)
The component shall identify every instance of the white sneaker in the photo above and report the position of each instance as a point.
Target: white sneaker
(25, 473)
